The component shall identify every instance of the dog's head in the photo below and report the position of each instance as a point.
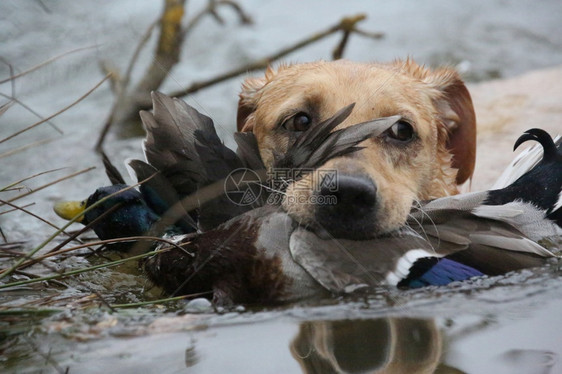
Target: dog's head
(426, 155)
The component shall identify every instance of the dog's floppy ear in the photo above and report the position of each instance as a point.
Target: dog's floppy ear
(247, 103)
(457, 114)
(249, 97)
(455, 111)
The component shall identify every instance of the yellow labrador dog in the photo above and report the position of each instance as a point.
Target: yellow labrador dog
(426, 155)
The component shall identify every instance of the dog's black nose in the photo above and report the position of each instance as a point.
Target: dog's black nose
(347, 209)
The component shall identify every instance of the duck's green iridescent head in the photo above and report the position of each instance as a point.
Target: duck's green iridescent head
(126, 213)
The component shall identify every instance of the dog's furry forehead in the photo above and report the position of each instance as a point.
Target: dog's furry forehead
(344, 71)
(344, 68)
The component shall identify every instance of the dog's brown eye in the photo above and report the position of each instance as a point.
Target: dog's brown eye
(299, 122)
(401, 131)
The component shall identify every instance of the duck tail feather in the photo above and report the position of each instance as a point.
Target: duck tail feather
(111, 171)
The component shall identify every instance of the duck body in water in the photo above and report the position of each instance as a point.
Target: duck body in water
(258, 254)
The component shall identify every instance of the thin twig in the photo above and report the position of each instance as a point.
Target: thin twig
(14, 99)
(121, 87)
(16, 208)
(12, 81)
(29, 109)
(4, 107)
(211, 9)
(28, 178)
(106, 126)
(134, 58)
(80, 271)
(22, 208)
(51, 183)
(340, 48)
(369, 34)
(52, 59)
(51, 253)
(160, 301)
(57, 113)
(168, 48)
(165, 57)
(24, 147)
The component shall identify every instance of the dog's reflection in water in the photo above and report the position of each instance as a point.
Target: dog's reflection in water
(385, 345)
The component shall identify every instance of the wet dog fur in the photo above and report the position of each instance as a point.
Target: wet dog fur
(428, 155)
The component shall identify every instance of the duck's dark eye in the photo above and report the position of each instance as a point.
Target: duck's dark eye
(401, 131)
(299, 122)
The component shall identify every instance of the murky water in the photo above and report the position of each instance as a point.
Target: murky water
(500, 325)
(491, 325)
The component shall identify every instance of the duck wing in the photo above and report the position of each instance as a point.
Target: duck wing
(161, 196)
(182, 144)
(344, 266)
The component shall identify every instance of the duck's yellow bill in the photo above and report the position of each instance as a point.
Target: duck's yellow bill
(70, 209)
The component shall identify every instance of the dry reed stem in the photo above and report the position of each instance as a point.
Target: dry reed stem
(57, 113)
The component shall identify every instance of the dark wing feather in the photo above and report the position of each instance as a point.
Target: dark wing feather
(113, 174)
(248, 150)
(320, 143)
(318, 133)
(160, 195)
(216, 159)
(344, 141)
(302, 147)
(183, 143)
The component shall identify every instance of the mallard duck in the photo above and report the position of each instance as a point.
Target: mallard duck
(257, 253)
(189, 169)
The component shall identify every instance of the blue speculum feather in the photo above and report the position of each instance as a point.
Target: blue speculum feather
(443, 272)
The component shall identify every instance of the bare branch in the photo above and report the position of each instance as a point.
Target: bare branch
(211, 8)
(134, 58)
(52, 59)
(57, 113)
(167, 49)
(338, 51)
(165, 57)
(126, 109)
(345, 24)
(243, 16)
